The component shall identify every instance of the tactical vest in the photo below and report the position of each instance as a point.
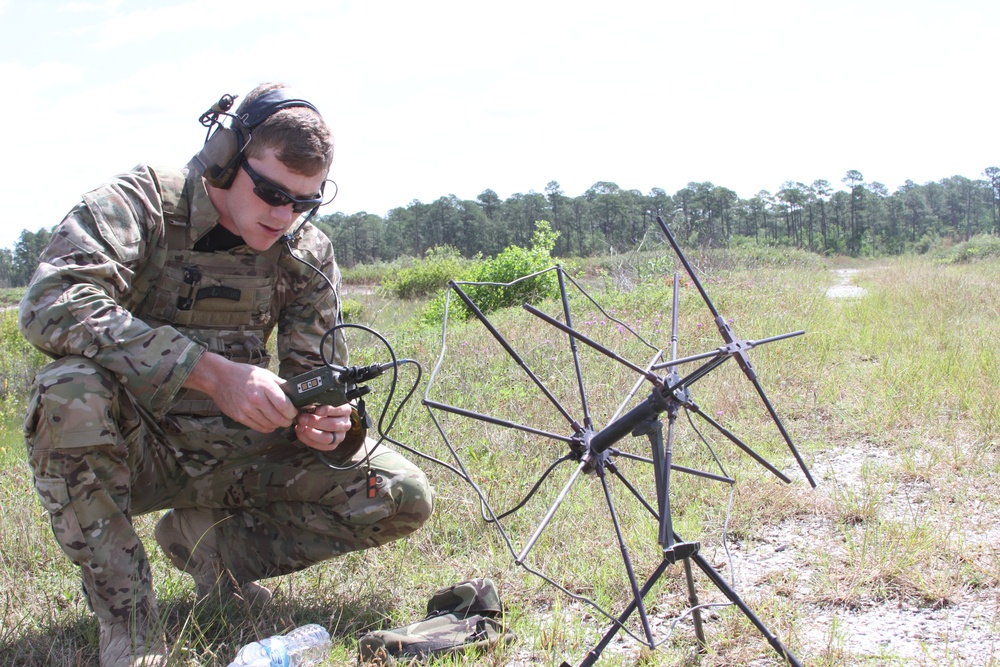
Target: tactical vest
(221, 300)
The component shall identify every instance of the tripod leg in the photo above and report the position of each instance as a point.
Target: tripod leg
(595, 653)
(727, 590)
(699, 629)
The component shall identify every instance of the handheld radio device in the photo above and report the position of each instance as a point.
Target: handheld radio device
(331, 385)
(321, 387)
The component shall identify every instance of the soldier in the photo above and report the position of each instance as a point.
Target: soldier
(156, 298)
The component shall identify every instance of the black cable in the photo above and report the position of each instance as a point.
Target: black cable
(381, 430)
(366, 460)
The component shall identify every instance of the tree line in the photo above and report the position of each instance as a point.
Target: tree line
(860, 219)
(17, 265)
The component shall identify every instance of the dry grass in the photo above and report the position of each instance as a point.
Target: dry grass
(891, 560)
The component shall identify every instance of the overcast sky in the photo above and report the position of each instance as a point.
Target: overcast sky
(434, 98)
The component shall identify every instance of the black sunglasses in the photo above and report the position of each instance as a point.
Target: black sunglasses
(272, 195)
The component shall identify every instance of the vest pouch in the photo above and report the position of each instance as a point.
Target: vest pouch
(215, 290)
(222, 300)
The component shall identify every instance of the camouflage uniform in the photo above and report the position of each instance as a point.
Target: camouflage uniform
(127, 307)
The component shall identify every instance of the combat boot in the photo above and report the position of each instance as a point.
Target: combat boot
(121, 647)
(188, 537)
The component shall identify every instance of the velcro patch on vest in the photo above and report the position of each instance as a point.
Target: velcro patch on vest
(218, 292)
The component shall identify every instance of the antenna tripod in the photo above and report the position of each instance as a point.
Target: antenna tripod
(594, 453)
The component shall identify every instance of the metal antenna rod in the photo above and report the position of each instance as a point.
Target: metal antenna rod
(514, 355)
(740, 355)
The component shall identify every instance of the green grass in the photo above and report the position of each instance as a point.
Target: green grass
(891, 399)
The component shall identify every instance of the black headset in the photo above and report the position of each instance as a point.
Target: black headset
(219, 158)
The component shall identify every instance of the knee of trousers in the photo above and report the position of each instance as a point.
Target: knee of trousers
(414, 499)
(74, 403)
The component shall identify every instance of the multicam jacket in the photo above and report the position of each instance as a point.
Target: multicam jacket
(121, 284)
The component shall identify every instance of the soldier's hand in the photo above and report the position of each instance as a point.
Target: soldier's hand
(325, 427)
(250, 395)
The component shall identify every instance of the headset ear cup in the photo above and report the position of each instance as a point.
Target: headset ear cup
(218, 159)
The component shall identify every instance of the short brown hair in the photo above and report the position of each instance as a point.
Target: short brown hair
(300, 137)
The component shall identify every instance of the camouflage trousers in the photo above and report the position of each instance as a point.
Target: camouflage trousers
(99, 459)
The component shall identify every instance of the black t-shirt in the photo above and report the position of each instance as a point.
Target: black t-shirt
(218, 238)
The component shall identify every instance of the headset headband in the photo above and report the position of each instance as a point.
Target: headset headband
(269, 104)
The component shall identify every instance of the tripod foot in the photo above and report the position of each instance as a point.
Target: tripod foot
(680, 551)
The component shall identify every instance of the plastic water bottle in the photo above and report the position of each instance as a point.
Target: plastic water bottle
(302, 647)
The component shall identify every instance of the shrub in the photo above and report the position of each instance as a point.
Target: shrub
(440, 264)
(503, 280)
(375, 273)
(747, 253)
(983, 246)
(352, 310)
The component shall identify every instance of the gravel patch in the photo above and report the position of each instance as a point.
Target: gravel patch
(844, 289)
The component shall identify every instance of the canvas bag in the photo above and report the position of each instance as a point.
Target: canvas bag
(467, 615)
